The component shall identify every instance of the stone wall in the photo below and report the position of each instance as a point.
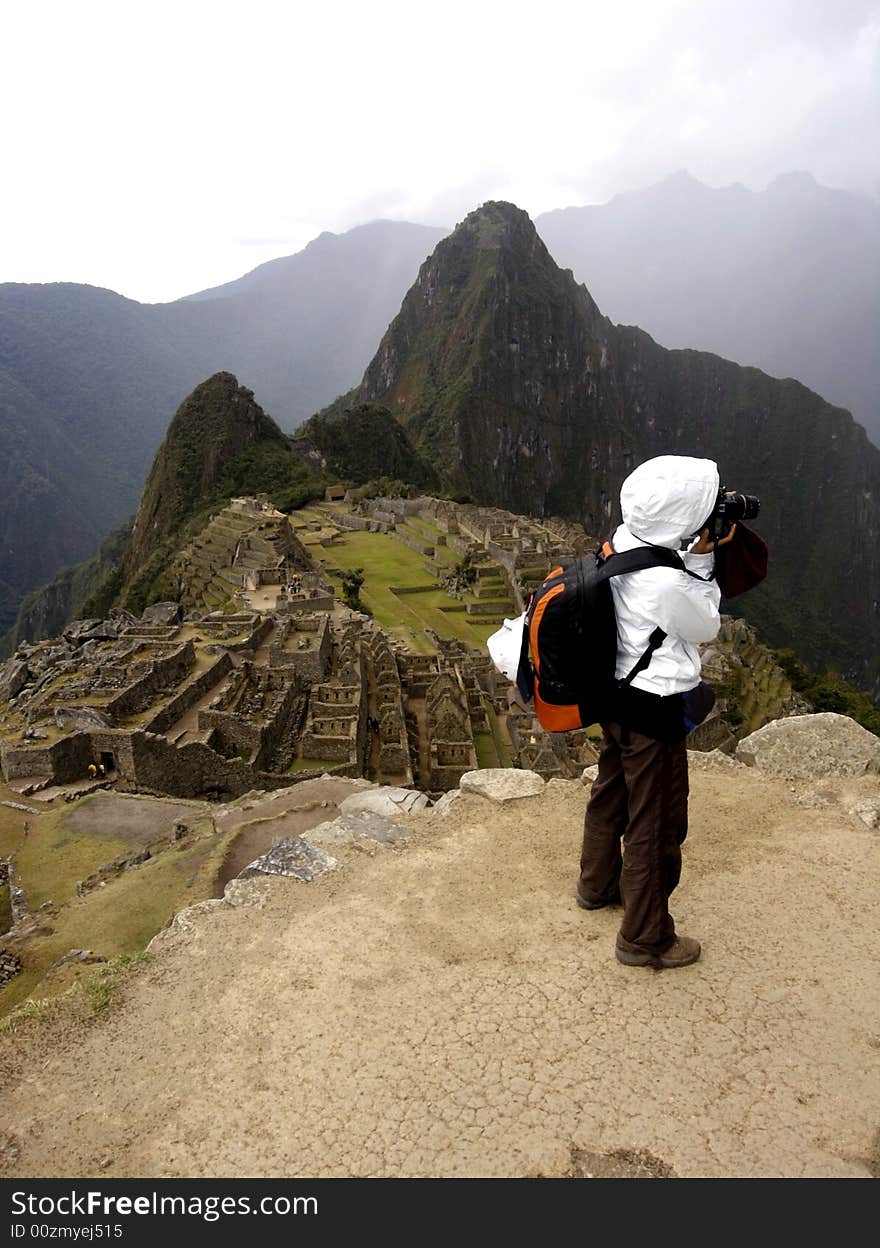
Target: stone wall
(310, 663)
(236, 734)
(160, 674)
(22, 761)
(189, 695)
(194, 770)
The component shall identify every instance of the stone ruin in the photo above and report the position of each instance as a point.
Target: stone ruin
(214, 705)
(246, 545)
(511, 553)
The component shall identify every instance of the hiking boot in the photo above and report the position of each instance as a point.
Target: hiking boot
(586, 904)
(682, 952)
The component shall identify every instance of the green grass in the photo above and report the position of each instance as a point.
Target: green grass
(501, 750)
(95, 991)
(387, 561)
(487, 755)
(122, 917)
(100, 987)
(50, 860)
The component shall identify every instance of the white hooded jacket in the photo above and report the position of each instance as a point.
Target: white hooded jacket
(665, 501)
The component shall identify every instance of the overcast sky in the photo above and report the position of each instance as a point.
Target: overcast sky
(159, 148)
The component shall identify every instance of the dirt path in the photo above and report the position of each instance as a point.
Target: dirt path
(446, 1009)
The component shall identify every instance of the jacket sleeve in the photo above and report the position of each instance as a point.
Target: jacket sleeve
(688, 609)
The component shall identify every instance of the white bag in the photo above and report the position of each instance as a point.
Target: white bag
(505, 646)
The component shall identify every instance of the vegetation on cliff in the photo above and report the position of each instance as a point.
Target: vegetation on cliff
(219, 444)
(364, 443)
(828, 691)
(70, 595)
(507, 379)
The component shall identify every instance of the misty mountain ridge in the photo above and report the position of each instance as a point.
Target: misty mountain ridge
(89, 379)
(786, 279)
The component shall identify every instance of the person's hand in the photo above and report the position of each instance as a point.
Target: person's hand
(705, 545)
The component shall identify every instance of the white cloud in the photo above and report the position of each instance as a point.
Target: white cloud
(150, 145)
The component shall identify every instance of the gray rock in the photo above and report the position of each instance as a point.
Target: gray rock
(384, 800)
(14, 676)
(713, 760)
(82, 631)
(77, 955)
(502, 784)
(183, 921)
(162, 614)
(803, 747)
(589, 774)
(79, 717)
(247, 894)
(868, 811)
(446, 803)
(347, 829)
(294, 858)
(563, 785)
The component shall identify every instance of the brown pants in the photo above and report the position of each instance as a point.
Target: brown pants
(639, 798)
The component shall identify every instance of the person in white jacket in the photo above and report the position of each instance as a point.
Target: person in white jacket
(636, 819)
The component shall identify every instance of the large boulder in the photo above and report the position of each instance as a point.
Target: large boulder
(81, 631)
(80, 718)
(807, 747)
(294, 858)
(384, 800)
(162, 614)
(502, 784)
(14, 676)
(351, 829)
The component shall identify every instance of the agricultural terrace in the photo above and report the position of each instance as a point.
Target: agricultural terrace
(402, 588)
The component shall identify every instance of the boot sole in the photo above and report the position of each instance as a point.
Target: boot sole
(656, 960)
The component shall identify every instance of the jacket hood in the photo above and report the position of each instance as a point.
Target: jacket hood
(668, 498)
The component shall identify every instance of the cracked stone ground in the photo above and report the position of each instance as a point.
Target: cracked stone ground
(446, 1009)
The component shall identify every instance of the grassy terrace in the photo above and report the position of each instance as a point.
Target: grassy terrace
(387, 562)
(119, 918)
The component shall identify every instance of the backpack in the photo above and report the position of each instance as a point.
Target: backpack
(571, 632)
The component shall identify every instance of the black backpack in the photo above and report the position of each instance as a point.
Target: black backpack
(571, 632)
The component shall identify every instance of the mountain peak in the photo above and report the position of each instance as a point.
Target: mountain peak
(681, 181)
(798, 180)
(220, 443)
(492, 335)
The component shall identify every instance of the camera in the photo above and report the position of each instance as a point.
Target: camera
(730, 507)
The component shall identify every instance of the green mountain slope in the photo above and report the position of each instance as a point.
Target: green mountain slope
(784, 279)
(89, 380)
(509, 381)
(219, 444)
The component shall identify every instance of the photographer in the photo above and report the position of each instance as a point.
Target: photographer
(638, 803)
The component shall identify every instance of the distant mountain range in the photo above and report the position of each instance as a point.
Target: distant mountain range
(787, 279)
(89, 380)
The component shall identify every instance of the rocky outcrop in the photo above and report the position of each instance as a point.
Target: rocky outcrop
(808, 747)
(296, 859)
(502, 784)
(384, 800)
(466, 951)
